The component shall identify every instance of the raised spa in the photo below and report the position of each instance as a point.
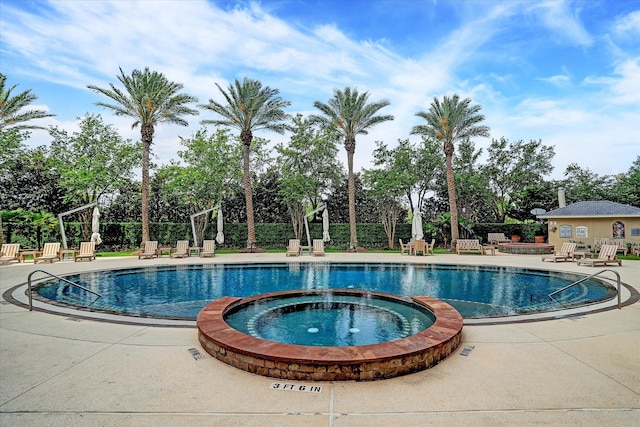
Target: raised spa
(330, 335)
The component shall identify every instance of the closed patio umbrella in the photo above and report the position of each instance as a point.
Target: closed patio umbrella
(220, 235)
(95, 226)
(325, 225)
(416, 226)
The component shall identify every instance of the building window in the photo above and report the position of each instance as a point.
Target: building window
(635, 232)
(582, 232)
(565, 232)
(618, 230)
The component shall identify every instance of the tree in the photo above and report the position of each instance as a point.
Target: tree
(249, 107)
(149, 98)
(627, 186)
(349, 114)
(450, 121)
(583, 184)
(512, 166)
(92, 162)
(472, 185)
(12, 108)
(309, 169)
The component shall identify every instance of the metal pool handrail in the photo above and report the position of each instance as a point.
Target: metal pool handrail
(57, 277)
(589, 277)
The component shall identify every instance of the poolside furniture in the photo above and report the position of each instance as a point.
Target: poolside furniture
(294, 247)
(497, 238)
(149, 249)
(635, 250)
(566, 253)
(182, 249)
(469, 245)
(318, 247)
(420, 246)
(87, 251)
(606, 256)
(9, 253)
(405, 247)
(598, 242)
(622, 246)
(489, 248)
(430, 246)
(50, 253)
(208, 248)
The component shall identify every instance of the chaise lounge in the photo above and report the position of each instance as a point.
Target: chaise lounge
(50, 253)
(9, 253)
(606, 256)
(208, 248)
(182, 249)
(149, 250)
(564, 254)
(294, 247)
(318, 247)
(87, 251)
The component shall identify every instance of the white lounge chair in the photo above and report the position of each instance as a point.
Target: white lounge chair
(149, 250)
(318, 247)
(9, 253)
(182, 249)
(294, 247)
(87, 251)
(50, 253)
(564, 254)
(208, 248)
(606, 256)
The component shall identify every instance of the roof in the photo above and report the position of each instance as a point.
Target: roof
(602, 208)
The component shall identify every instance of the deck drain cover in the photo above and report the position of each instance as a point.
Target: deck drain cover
(466, 350)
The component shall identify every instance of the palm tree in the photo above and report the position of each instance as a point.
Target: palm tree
(350, 115)
(450, 121)
(249, 107)
(149, 98)
(12, 113)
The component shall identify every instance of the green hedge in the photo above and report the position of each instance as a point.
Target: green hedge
(128, 235)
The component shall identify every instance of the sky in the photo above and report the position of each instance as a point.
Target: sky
(564, 72)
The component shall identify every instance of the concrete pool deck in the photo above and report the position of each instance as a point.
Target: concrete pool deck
(60, 370)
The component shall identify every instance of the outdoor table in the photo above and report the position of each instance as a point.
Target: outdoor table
(581, 254)
(64, 252)
(195, 249)
(491, 248)
(34, 253)
(164, 249)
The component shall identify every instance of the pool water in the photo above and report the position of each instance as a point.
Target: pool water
(180, 292)
(329, 319)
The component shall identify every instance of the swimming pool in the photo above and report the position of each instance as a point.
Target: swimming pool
(180, 292)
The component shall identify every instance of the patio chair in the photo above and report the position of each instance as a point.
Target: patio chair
(87, 251)
(420, 246)
(9, 253)
(149, 249)
(182, 249)
(497, 238)
(405, 247)
(430, 246)
(606, 256)
(622, 246)
(564, 254)
(318, 247)
(50, 253)
(208, 248)
(294, 247)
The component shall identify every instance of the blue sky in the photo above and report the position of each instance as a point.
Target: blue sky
(566, 72)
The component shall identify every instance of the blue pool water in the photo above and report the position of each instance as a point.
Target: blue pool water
(329, 319)
(180, 292)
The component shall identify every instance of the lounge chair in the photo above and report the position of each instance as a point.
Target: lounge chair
(208, 248)
(50, 253)
(9, 253)
(87, 251)
(564, 254)
(182, 249)
(405, 247)
(468, 245)
(294, 247)
(622, 246)
(606, 256)
(149, 249)
(318, 247)
(420, 246)
(497, 238)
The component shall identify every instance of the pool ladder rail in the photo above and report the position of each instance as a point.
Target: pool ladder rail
(30, 291)
(587, 278)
